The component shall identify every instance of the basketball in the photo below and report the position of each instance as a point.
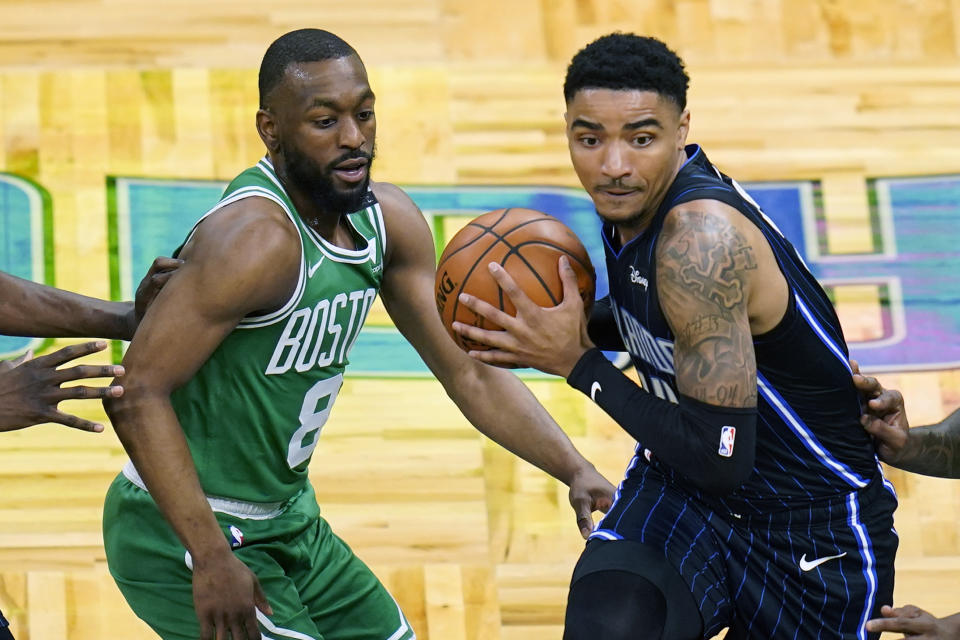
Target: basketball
(528, 245)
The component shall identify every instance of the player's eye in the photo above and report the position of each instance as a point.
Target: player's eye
(365, 115)
(589, 140)
(642, 140)
(324, 122)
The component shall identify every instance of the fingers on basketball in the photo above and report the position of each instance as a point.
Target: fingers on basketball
(528, 245)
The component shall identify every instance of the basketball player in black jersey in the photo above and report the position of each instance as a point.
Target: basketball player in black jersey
(754, 500)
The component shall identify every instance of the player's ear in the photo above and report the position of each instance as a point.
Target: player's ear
(267, 128)
(683, 128)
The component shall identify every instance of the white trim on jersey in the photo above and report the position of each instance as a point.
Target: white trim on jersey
(869, 568)
(339, 254)
(272, 628)
(831, 345)
(252, 322)
(236, 508)
(403, 628)
(605, 534)
(330, 250)
(262, 618)
(381, 224)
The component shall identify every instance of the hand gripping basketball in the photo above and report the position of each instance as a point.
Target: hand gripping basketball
(526, 244)
(549, 339)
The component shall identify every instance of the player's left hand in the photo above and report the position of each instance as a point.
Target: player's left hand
(30, 388)
(916, 623)
(160, 271)
(589, 492)
(884, 418)
(549, 339)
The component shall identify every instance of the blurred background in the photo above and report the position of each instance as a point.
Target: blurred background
(120, 120)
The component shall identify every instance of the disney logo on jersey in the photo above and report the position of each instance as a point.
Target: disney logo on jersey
(322, 335)
(636, 278)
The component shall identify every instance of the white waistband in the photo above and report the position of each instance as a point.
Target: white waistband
(236, 508)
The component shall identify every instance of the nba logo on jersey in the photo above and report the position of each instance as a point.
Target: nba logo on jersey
(236, 537)
(727, 436)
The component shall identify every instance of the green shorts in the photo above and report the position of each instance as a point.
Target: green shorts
(318, 589)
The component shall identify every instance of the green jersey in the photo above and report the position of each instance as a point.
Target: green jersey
(253, 412)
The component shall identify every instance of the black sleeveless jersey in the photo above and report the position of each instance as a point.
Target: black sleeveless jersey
(810, 443)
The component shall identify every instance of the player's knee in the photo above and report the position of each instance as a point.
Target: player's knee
(614, 605)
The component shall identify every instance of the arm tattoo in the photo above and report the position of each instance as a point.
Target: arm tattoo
(935, 450)
(702, 265)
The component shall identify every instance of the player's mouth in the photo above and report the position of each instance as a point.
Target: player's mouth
(353, 170)
(617, 193)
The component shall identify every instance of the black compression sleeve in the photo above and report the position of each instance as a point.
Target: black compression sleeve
(712, 446)
(602, 326)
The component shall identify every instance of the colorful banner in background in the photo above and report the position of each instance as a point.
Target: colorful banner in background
(26, 244)
(914, 270)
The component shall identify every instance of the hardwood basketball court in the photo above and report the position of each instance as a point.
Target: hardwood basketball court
(475, 544)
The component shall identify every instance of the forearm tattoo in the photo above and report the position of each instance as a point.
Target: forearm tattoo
(935, 449)
(702, 268)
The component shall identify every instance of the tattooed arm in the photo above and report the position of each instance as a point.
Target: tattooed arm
(704, 267)
(932, 450)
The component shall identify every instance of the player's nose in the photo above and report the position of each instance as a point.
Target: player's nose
(615, 164)
(351, 137)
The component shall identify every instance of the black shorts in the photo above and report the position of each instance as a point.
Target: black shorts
(820, 571)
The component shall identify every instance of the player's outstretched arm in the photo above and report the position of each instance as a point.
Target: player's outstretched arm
(495, 401)
(916, 623)
(242, 259)
(30, 387)
(31, 309)
(932, 450)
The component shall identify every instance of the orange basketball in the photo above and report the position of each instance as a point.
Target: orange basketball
(528, 245)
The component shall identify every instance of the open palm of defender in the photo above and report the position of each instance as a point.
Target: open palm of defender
(549, 339)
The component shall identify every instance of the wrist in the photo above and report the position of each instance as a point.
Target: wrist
(128, 321)
(209, 552)
(583, 467)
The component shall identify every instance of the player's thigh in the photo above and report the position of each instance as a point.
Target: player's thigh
(815, 583)
(147, 562)
(345, 599)
(153, 572)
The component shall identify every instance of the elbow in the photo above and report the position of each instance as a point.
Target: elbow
(122, 408)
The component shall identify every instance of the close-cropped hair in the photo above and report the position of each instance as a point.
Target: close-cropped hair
(628, 62)
(302, 45)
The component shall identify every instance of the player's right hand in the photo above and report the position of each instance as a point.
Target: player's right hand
(226, 596)
(589, 492)
(916, 623)
(30, 387)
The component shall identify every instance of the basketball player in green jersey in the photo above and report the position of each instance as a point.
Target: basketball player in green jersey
(213, 529)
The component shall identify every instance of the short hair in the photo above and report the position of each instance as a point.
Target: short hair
(302, 45)
(625, 61)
